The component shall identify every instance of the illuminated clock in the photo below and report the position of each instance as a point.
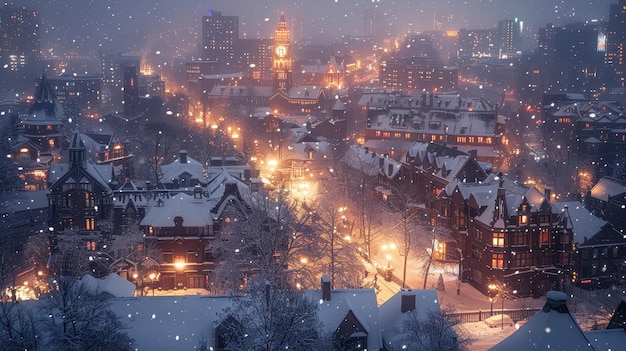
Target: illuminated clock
(281, 51)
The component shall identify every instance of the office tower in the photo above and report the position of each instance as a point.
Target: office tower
(510, 36)
(19, 36)
(616, 40)
(131, 91)
(219, 36)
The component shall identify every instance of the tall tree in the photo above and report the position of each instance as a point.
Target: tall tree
(270, 319)
(79, 317)
(266, 240)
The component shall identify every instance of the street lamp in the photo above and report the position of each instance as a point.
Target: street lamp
(152, 276)
(388, 261)
(492, 295)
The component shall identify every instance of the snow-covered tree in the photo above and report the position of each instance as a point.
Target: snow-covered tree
(80, 319)
(9, 174)
(434, 330)
(269, 319)
(129, 248)
(20, 327)
(267, 240)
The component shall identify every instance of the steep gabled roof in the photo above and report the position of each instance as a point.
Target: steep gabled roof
(607, 187)
(361, 302)
(552, 328)
(46, 108)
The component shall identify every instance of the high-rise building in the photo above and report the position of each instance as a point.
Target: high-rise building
(131, 91)
(219, 36)
(476, 43)
(616, 40)
(509, 36)
(255, 57)
(19, 36)
(283, 63)
(546, 40)
(113, 70)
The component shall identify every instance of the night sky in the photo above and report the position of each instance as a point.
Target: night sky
(171, 26)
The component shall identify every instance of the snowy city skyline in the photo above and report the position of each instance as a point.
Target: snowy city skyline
(115, 26)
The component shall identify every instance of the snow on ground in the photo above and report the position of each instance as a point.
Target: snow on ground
(484, 337)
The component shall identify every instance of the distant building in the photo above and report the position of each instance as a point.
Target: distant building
(45, 118)
(449, 119)
(615, 40)
(20, 40)
(607, 200)
(83, 90)
(510, 34)
(113, 71)
(282, 61)
(254, 57)
(476, 43)
(417, 75)
(219, 36)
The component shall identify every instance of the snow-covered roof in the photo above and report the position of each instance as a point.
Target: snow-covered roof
(392, 317)
(112, 284)
(13, 202)
(182, 164)
(46, 108)
(194, 212)
(362, 302)
(170, 322)
(608, 186)
(583, 223)
(363, 160)
(552, 328)
(607, 339)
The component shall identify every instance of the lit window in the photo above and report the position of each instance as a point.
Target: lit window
(497, 260)
(544, 237)
(498, 240)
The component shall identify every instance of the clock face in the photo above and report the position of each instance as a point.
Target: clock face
(281, 51)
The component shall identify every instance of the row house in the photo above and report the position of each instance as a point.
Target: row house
(509, 234)
(466, 123)
(607, 200)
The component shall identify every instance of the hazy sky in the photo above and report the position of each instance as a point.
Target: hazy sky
(123, 25)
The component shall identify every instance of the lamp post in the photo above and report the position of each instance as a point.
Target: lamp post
(152, 276)
(492, 294)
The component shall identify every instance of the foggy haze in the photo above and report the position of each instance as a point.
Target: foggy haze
(86, 27)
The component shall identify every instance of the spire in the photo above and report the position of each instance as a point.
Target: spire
(77, 151)
(282, 24)
(46, 105)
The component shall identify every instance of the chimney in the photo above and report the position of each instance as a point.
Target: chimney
(473, 153)
(547, 192)
(407, 303)
(326, 287)
(183, 156)
(367, 149)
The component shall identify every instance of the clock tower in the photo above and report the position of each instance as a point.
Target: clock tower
(282, 63)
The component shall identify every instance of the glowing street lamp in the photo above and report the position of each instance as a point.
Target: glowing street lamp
(492, 294)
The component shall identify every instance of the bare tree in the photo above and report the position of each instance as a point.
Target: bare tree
(267, 240)
(269, 319)
(79, 318)
(434, 330)
(404, 209)
(19, 327)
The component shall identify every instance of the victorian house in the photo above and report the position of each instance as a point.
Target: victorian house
(79, 193)
(40, 142)
(510, 235)
(186, 216)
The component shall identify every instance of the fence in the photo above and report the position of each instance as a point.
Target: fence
(516, 315)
